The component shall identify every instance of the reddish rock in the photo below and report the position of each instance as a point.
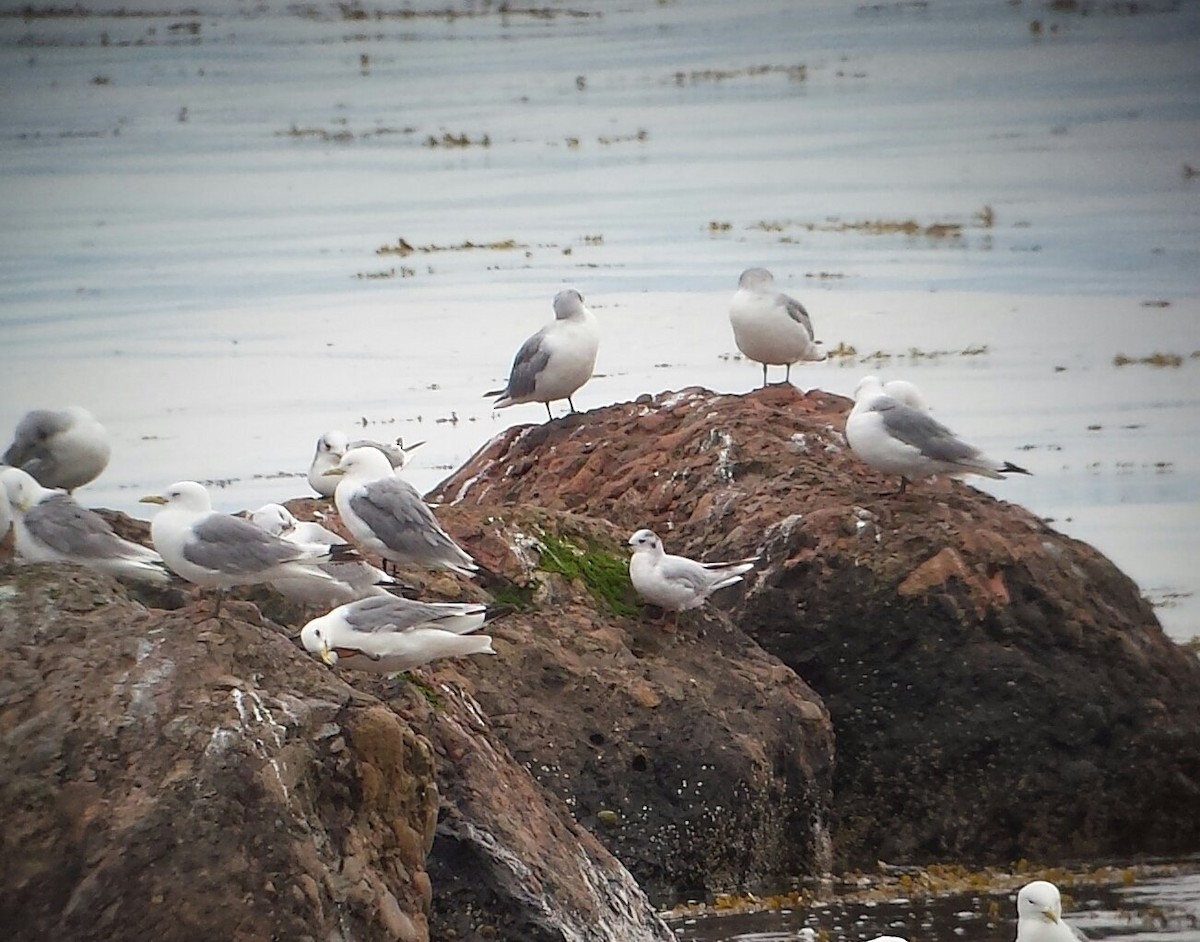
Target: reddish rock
(997, 689)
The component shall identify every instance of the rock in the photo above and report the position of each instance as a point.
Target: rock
(997, 689)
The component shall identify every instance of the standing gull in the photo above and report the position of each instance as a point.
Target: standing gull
(1039, 914)
(386, 515)
(65, 448)
(217, 550)
(768, 326)
(332, 445)
(352, 578)
(389, 635)
(676, 583)
(897, 439)
(557, 360)
(50, 527)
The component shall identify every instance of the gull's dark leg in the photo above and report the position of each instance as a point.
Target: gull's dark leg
(571, 403)
(787, 377)
(903, 485)
(764, 374)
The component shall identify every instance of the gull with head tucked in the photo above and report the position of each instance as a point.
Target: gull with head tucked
(557, 360)
(1039, 915)
(332, 445)
(50, 527)
(388, 635)
(386, 515)
(676, 583)
(64, 448)
(898, 439)
(768, 326)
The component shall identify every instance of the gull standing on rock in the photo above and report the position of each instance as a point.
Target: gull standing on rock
(65, 448)
(389, 635)
(557, 360)
(676, 583)
(768, 326)
(332, 445)
(353, 578)
(386, 515)
(50, 527)
(1039, 915)
(216, 550)
(897, 439)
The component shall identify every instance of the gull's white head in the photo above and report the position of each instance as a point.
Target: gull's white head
(22, 489)
(867, 386)
(756, 279)
(364, 464)
(645, 541)
(182, 495)
(274, 518)
(567, 302)
(332, 443)
(1039, 901)
(315, 638)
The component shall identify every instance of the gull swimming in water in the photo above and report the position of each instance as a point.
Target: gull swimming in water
(353, 578)
(389, 635)
(897, 439)
(386, 515)
(217, 550)
(64, 448)
(1039, 915)
(332, 445)
(768, 326)
(557, 360)
(676, 583)
(51, 527)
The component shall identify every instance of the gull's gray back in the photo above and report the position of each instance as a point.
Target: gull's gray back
(68, 528)
(921, 431)
(227, 544)
(396, 515)
(530, 360)
(390, 614)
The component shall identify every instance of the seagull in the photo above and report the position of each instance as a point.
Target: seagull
(332, 445)
(769, 327)
(386, 636)
(676, 583)
(50, 527)
(217, 550)
(5, 510)
(897, 439)
(907, 394)
(1039, 915)
(65, 448)
(353, 578)
(386, 515)
(557, 360)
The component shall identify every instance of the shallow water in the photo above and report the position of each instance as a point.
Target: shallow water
(196, 203)
(1158, 908)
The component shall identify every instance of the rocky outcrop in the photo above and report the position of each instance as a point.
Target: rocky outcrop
(997, 689)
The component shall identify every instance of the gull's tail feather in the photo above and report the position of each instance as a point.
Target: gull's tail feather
(1010, 468)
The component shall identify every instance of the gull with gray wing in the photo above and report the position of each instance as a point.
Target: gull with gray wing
(770, 327)
(386, 515)
(676, 583)
(557, 360)
(897, 439)
(63, 448)
(51, 527)
(333, 445)
(385, 636)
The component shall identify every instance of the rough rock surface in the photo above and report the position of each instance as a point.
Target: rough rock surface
(997, 689)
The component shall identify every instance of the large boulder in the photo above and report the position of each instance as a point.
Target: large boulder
(997, 689)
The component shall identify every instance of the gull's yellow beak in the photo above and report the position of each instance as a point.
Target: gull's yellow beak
(152, 499)
(328, 655)
(1052, 915)
(333, 473)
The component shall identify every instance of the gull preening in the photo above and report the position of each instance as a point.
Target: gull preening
(557, 360)
(386, 636)
(898, 439)
(676, 583)
(1039, 915)
(218, 550)
(768, 326)
(386, 515)
(64, 448)
(333, 445)
(51, 527)
(352, 578)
